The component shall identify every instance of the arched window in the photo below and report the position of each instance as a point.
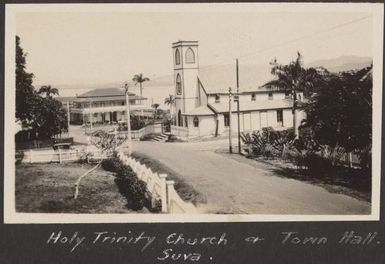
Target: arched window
(196, 121)
(190, 56)
(178, 83)
(177, 57)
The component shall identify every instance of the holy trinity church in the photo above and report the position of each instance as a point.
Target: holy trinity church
(202, 104)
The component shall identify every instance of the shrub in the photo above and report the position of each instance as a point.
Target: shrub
(255, 142)
(134, 190)
(281, 140)
(111, 164)
(129, 185)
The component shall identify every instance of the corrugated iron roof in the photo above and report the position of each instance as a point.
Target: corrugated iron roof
(199, 111)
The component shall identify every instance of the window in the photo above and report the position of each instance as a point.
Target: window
(185, 121)
(226, 119)
(196, 121)
(299, 98)
(253, 97)
(270, 96)
(178, 84)
(177, 57)
(280, 117)
(217, 98)
(190, 56)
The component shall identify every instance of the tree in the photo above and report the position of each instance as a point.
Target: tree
(49, 118)
(155, 106)
(139, 78)
(107, 143)
(170, 100)
(24, 89)
(45, 115)
(48, 91)
(292, 78)
(340, 113)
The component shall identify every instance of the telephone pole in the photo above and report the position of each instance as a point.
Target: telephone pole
(128, 120)
(239, 122)
(230, 128)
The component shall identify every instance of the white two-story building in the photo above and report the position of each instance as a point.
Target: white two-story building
(106, 106)
(202, 104)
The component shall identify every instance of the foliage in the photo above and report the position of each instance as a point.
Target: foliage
(139, 78)
(24, 88)
(135, 122)
(268, 142)
(130, 186)
(281, 140)
(340, 113)
(170, 100)
(107, 142)
(293, 78)
(46, 116)
(49, 118)
(48, 91)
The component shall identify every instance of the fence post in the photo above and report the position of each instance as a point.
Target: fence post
(60, 156)
(170, 186)
(30, 156)
(163, 192)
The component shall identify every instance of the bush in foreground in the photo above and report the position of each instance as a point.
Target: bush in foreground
(129, 184)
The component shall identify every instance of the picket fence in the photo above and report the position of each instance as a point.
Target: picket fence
(60, 156)
(159, 187)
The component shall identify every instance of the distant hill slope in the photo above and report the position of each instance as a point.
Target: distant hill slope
(343, 63)
(220, 77)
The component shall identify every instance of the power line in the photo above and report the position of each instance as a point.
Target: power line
(297, 39)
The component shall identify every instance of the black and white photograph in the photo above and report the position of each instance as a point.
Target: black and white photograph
(223, 112)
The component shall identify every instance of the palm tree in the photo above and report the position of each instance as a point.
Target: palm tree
(293, 78)
(138, 78)
(170, 100)
(48, 91)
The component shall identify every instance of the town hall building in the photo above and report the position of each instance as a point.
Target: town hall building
(202, 105)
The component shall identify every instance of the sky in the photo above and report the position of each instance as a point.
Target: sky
(70, 49)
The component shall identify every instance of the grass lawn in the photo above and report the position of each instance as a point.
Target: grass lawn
(185, 190)
(49, 188)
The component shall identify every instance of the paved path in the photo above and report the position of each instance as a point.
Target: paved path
(233, 186)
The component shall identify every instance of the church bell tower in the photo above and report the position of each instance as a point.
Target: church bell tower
(185, 54)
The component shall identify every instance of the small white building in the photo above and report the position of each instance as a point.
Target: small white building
(202, 105)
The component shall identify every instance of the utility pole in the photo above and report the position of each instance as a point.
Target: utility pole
(230, 128)
(68, 117)
(128, 120)
(91, 116)
(239, 122)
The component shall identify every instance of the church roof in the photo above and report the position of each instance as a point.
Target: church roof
(200, 111)
(253, 105)
(218, 78)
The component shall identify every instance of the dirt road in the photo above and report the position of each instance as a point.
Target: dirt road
(233, 186)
